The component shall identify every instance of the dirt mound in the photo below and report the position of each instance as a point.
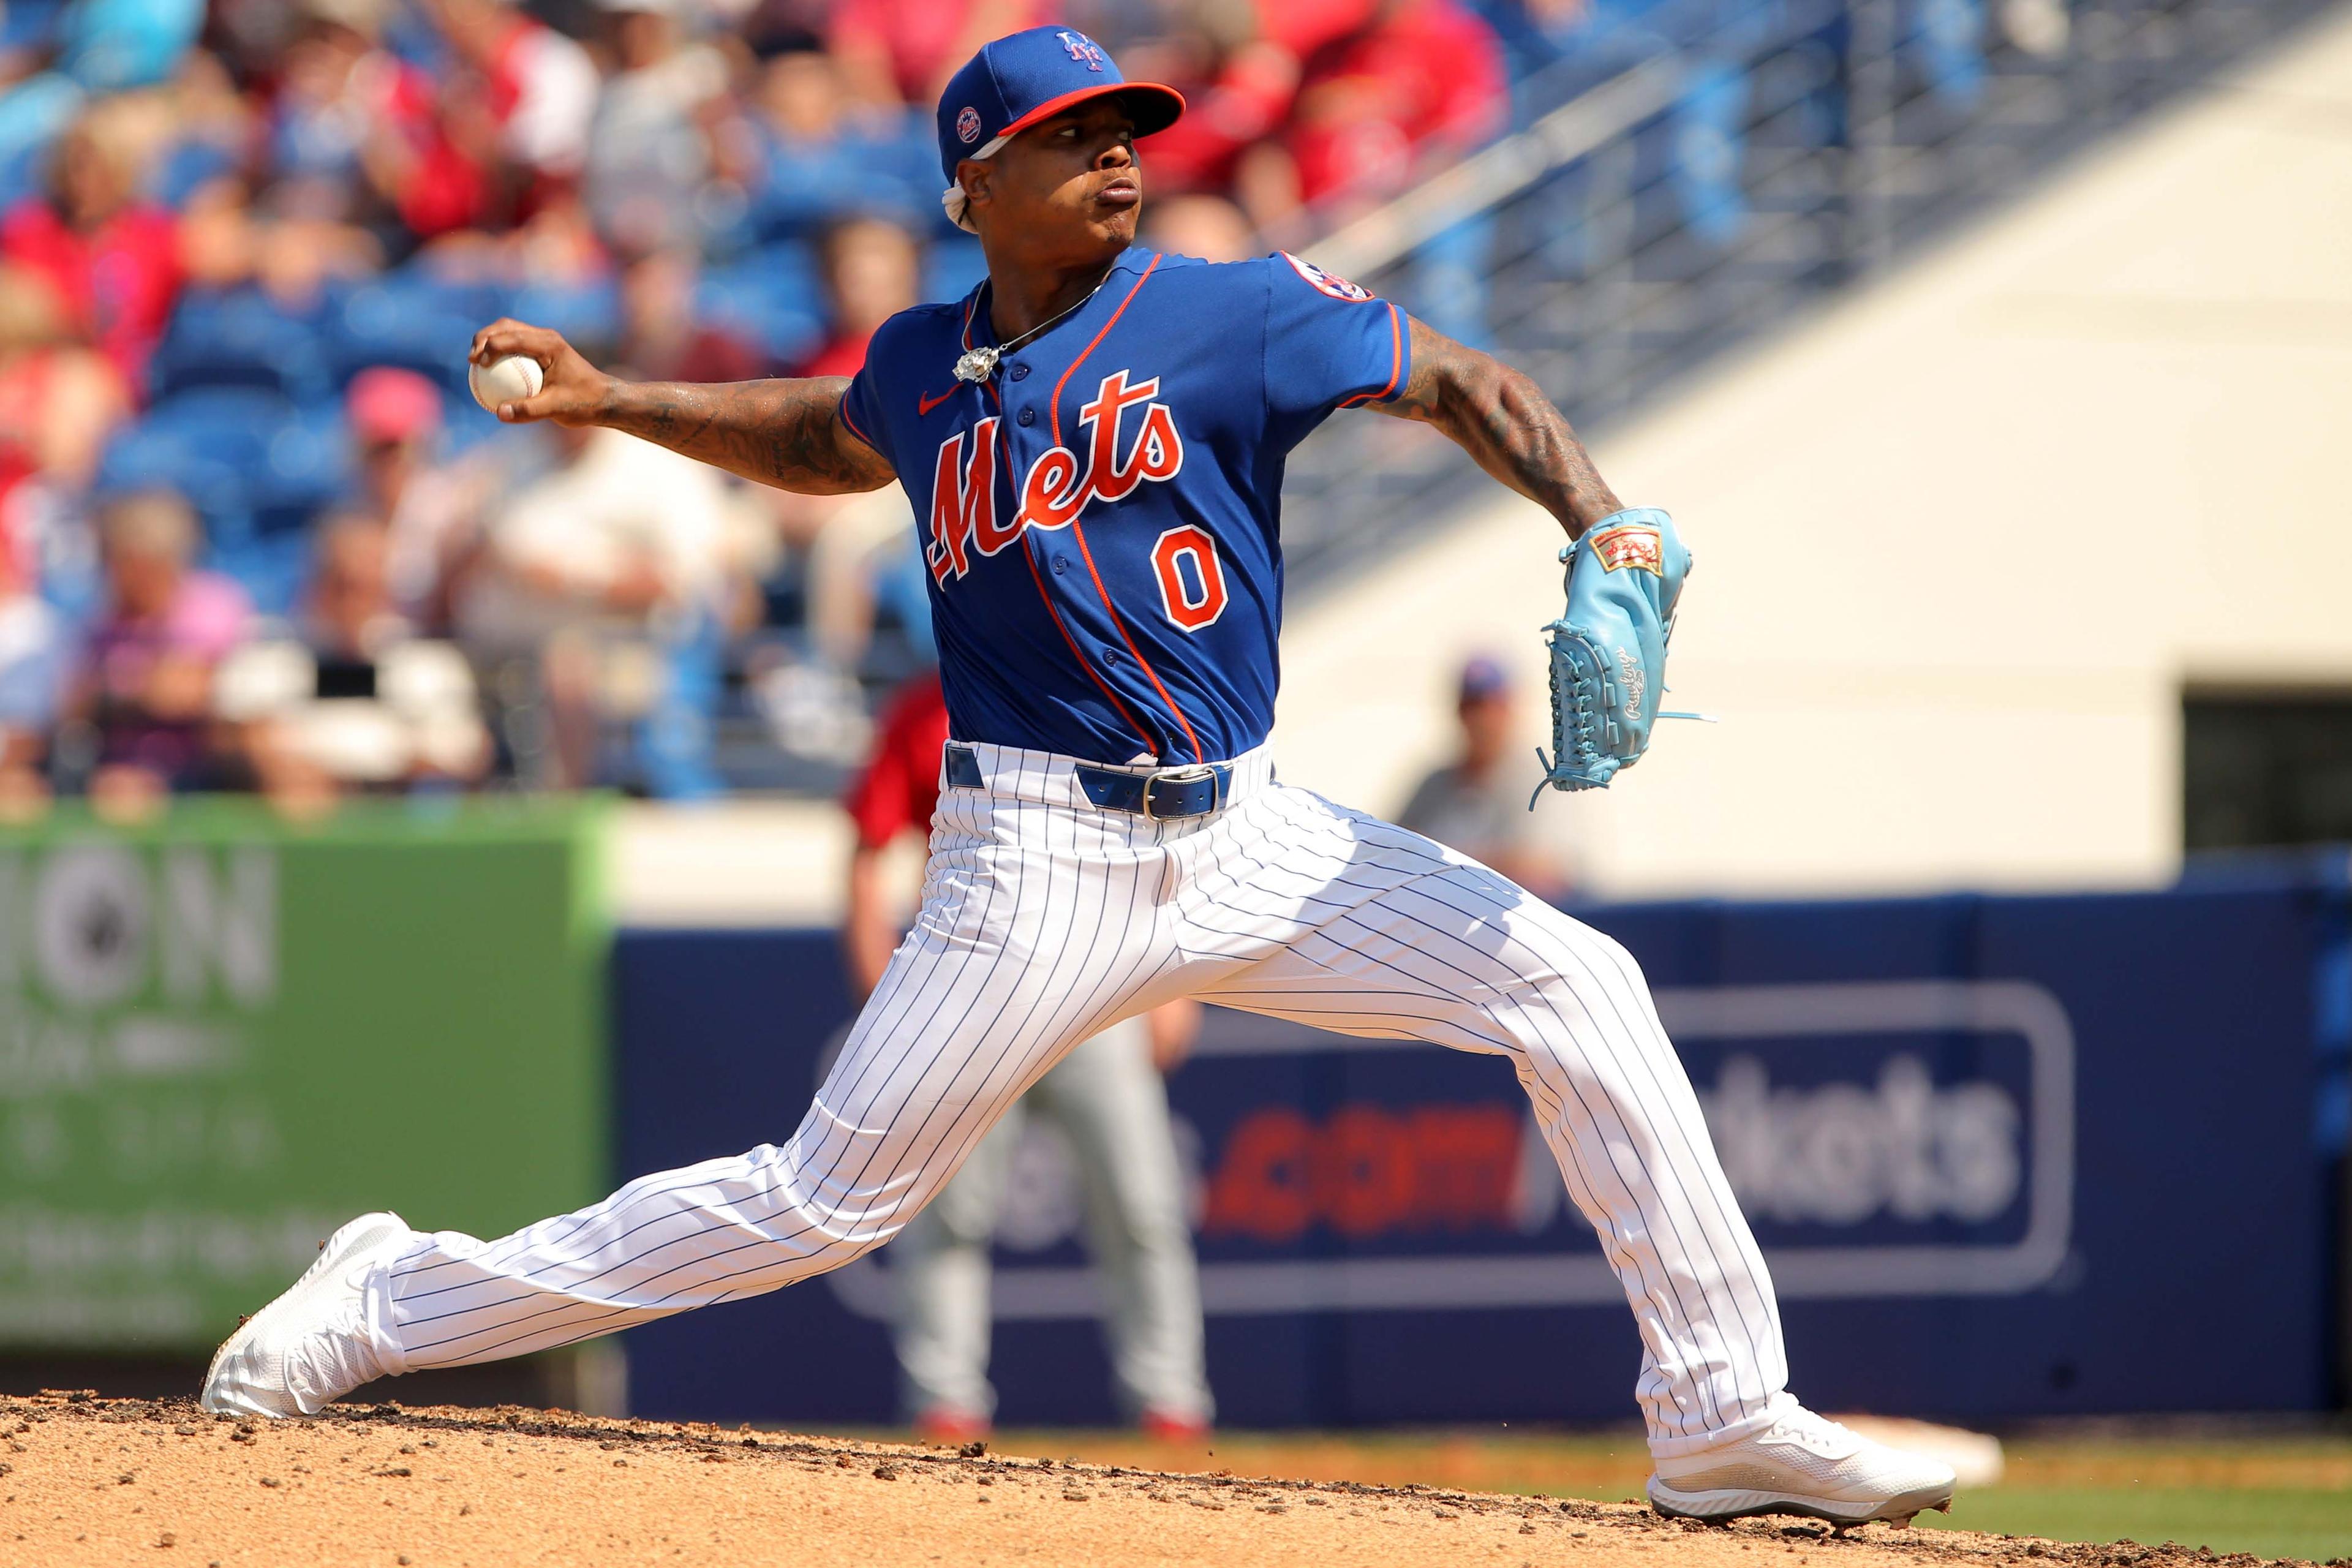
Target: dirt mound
(90, 1480)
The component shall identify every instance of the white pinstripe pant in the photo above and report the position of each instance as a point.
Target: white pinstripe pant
(1043, 920)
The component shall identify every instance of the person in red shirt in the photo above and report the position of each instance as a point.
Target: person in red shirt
(112, 259)
(1108, 1101)
(896, 792)
(896, 53)
(538, 90)
(1421, 78)
(1238, 68)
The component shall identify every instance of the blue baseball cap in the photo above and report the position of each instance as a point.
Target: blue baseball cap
(1483, 677)
(1026, 76)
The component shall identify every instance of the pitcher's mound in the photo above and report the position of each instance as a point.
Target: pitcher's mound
(92, 1481)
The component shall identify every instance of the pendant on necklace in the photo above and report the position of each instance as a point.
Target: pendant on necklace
(976, 366)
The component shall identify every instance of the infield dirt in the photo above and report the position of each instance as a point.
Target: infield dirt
(89, 1480)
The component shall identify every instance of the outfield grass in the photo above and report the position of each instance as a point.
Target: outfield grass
(2275, 1497)
(2269, 1521)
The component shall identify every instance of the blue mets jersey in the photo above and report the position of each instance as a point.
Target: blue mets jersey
(1101, 518)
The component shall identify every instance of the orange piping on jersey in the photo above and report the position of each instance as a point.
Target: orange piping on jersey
(842, 409)
(1396, 364)
(1056, 407)
(1078, 532)
(1038, 577)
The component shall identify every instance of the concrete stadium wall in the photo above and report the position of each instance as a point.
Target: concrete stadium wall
(1960, 540)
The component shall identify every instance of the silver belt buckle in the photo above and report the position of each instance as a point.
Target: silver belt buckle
(1185, 774)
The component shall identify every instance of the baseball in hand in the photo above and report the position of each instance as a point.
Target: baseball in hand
(507, 380)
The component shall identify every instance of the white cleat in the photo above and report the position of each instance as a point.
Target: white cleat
(310, 1345)
(1805, 1466)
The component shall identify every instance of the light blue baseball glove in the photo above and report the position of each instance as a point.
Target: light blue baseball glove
(1609, 649)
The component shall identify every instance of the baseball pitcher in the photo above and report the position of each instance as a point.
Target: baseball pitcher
(1093, 441)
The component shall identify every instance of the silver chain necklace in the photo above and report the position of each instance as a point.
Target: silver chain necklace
(977, 366)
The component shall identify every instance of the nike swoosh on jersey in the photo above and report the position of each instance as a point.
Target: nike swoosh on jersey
(925, 404)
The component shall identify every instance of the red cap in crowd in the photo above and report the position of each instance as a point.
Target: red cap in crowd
(387, 405)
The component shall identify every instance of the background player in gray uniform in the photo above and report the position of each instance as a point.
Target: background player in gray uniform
(1110, 1104)
(1476, 801)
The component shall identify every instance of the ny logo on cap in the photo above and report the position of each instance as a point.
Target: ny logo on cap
(968, 125)
(1083, 49)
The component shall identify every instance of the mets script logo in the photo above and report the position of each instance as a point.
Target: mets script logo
(964, 520)
(1083, 49)
(968, 125)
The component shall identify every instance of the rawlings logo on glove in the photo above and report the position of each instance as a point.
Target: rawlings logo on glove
(1634, 544)
(1609, 649)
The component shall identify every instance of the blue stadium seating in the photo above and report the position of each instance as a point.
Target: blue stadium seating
(187, 166)
(167, 452)
(953, 267)
(239, 338)
(304, 468)
(413, 320)
(772, 298)
(803, 188)
(29, 25)
(20, 174)
(585, 313)
(257, 469)
(272, 570)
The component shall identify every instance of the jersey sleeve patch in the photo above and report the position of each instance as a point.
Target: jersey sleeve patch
(1323, 282)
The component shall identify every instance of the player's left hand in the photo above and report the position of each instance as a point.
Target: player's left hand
(1609, 649)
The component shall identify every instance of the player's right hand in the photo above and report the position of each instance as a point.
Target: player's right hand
(571, 391)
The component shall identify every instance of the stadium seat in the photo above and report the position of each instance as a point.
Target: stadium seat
(20, 176)
(771, 298)
(583, 312)
(252, 465)
(1945, 48)
(1708, 148)
(33, 113)
(185, 168)
(30, 26)
(803, 187)
(162, 454)
(270, 569)
(952, 267)
(411, 319)
(305, 466)
(239, 338)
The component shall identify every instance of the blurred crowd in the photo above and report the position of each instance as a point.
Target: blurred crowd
(253, 534)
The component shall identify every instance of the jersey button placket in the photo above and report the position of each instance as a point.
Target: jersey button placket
(1020, 373)
(1028, 416)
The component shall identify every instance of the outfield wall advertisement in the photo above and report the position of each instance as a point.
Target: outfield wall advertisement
(2008, 1157)
(222, 1035)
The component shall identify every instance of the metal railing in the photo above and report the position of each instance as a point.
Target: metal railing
(1728, 179)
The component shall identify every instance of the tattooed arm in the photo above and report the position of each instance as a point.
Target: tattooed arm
(788, 433)
(1503, 419)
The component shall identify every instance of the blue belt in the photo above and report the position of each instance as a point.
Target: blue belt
(1165, 795)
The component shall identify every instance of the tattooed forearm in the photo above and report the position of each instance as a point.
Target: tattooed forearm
(1503, 419)
(788, 433)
